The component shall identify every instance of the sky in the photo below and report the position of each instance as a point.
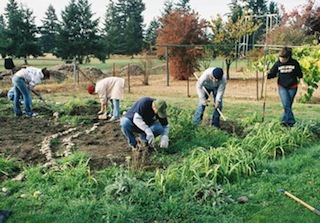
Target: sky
(207, 9)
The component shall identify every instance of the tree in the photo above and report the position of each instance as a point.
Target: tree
(78, 33)
(151, 34)
(180, 29)
(48, 31)
(2, 37)
(20, 32)
(226, 34)
(293, 29)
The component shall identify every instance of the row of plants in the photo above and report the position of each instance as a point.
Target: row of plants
(205, 170)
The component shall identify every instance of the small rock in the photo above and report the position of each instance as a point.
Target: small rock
(242, 199)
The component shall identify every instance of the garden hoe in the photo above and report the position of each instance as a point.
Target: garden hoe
(207, 93)
(40, 97)
(300, 201)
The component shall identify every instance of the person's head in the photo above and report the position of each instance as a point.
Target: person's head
(217, 73)
(46, 73)
(159, 107)
(285, 54)
(91, 89)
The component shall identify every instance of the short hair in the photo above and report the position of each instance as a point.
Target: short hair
(285, 52)
(46, 73)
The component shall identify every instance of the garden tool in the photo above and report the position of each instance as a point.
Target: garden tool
(300, 201)
(39, 96)
(265, 83)
(207, 93)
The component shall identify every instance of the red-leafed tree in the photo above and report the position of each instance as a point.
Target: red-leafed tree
(297, 27)
(181, 31)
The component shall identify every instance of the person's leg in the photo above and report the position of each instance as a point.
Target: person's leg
(20, 88)
(287, 97)
(292, 93)
(128, 129)
(216, 115)
(198, 116)
(116, 108)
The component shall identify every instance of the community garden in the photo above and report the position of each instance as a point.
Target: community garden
(66, 165)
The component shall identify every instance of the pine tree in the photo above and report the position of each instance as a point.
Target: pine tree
(78, 34)
(20, 32)
(48, 30)
(3, 39)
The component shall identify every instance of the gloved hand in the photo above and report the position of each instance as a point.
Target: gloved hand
(164, 142)
(204, 102)
(149, 137)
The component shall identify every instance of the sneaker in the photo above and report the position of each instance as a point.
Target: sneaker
(34, 114)
(113, 119)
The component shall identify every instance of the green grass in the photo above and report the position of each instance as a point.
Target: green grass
(206, 171)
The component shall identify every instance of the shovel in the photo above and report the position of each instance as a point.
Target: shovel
(207, 93)
(300, 201)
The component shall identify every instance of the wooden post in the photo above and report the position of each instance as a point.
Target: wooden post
(128, 79)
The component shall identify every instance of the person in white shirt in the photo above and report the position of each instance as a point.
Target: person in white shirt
(24, 81)
(211, 80)
(109, 89)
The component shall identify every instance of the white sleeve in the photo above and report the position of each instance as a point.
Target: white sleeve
(138, 121)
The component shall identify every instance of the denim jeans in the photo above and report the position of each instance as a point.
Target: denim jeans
(21, 89)
(115, 108)
(198, 116)
(128, 129)
(287, 98)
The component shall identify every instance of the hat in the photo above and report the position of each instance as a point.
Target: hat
(217, 73)
(90, 89)
(161, 106)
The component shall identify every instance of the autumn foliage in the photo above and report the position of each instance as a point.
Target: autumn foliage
(179, 34)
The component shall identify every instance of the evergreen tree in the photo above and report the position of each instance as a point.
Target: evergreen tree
(3, 39)
(151, 33)
(48, 30)
(124, 27)
(20, 32)
(78, 33)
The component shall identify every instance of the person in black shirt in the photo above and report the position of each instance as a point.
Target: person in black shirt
(148, 118)
(289, 73)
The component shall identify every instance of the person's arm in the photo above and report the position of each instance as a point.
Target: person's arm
(273, 71)
(199, 87)
(220, 92)
(140, 123)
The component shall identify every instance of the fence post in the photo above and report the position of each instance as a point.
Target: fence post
(128, 79)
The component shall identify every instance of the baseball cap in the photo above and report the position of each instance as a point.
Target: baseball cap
(217, 73)
(161, 106)
(90, 89)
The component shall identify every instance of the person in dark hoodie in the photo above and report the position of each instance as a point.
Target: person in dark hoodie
(289, 73)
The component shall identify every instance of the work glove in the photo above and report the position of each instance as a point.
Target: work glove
(204, 102)
(149, 137)
(164, 142)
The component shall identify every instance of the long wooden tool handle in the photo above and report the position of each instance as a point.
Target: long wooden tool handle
(205, 90)
(302, 202)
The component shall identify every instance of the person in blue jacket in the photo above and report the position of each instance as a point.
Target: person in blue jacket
(147, 118)
(289, 73)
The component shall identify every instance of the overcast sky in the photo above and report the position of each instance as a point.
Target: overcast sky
(207, 9)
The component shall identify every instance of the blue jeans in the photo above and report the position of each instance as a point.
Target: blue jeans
(21, 89)
(287, 98)
(115, 108)
(128, 129)
(198, 116)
